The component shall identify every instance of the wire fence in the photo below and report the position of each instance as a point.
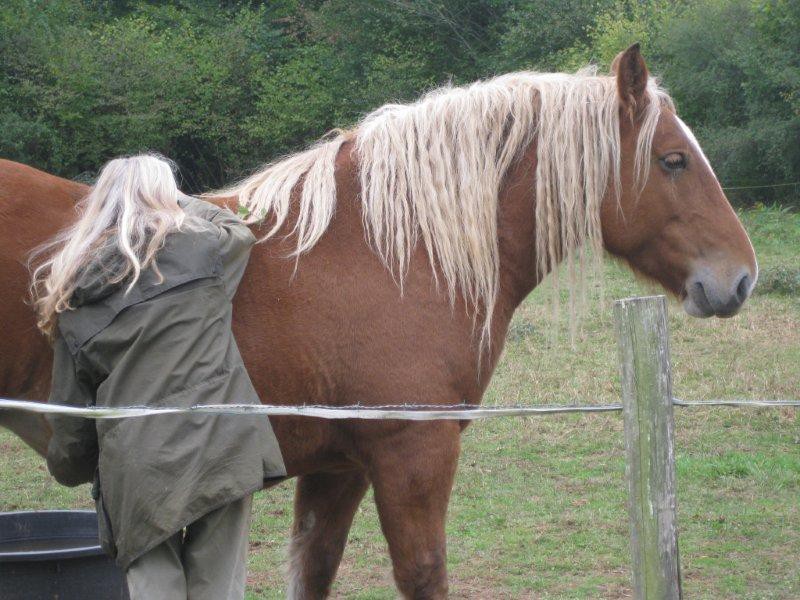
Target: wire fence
(404, 412)
(762, 186)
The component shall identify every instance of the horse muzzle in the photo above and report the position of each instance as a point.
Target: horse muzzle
(710, 294)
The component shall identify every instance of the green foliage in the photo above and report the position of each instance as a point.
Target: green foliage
(78, 89)
(222, 87)
(543, 33)
(622, 23)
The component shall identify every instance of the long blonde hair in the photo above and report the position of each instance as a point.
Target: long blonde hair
(431, 171)
(129, 211)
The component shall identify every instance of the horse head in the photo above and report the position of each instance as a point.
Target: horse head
(675, 226)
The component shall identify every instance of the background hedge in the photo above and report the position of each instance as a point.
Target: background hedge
(222, 87)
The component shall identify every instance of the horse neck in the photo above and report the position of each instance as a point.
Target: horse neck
(516, 230)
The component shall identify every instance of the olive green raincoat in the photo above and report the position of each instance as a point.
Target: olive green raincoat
(160, 344)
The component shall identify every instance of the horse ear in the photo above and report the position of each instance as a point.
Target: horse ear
(632, 77)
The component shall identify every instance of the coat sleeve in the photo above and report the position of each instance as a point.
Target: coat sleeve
(236, 239)
(73, 451)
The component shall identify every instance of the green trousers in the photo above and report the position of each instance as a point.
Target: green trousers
(206, 561)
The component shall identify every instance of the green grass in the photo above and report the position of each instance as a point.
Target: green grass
(538, 509)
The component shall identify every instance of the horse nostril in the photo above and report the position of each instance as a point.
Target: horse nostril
(743, 289)
(698, 293)
(699, 287)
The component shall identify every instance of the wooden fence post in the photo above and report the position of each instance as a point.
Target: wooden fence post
(649, 445)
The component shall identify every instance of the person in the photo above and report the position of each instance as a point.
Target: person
(136, 298)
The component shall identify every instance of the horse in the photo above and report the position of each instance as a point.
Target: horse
(393, 256)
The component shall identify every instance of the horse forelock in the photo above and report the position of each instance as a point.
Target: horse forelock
(431, 172)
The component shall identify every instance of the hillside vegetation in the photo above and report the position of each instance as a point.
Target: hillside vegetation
(224, 86)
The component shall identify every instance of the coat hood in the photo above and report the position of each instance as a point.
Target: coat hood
(92, 283)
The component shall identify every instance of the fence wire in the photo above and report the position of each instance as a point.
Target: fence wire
(405, 412)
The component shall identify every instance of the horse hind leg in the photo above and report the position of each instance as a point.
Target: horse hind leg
(324, 506)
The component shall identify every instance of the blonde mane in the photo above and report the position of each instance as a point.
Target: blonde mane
(432, 170)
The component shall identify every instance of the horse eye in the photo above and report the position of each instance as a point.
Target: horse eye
(674, 161)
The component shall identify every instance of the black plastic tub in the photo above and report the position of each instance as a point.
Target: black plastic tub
(55, 554)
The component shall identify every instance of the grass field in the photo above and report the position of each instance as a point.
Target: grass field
(538, 509)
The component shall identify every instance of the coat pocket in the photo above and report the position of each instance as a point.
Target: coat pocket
(104, 529)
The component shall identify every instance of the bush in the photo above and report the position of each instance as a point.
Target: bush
(222, 87)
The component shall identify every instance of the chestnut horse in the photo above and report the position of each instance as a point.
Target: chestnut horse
(394, 257)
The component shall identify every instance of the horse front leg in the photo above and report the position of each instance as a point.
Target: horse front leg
(412, 474)
(324, 506)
